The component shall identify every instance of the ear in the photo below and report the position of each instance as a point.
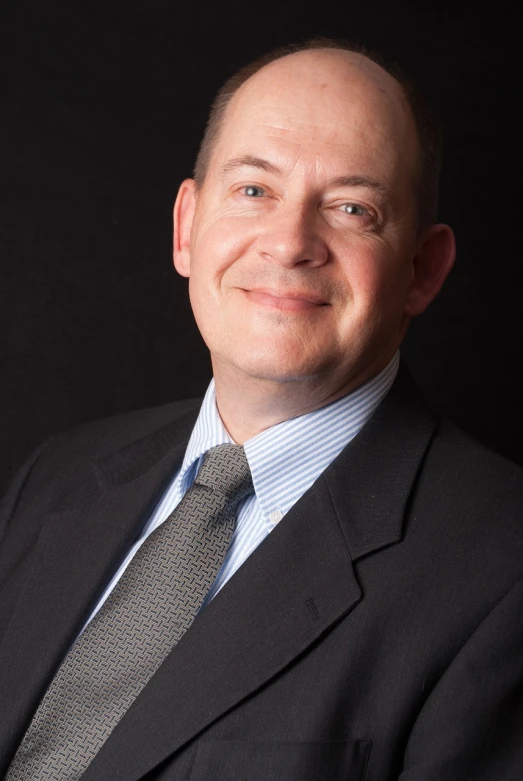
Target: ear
(430, 268)
(183, 218)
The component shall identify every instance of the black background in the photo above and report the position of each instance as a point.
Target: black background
(103, 110)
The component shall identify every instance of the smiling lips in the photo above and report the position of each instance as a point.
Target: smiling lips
(290, 301)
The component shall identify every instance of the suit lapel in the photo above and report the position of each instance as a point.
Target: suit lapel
(292, 589)
(372, 480)
(86, 534)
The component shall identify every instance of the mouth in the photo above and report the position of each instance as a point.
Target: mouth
(291, 301)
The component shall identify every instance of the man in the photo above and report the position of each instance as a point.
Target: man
(362, 618)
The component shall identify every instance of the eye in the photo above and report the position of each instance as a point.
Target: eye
(354, 209)
(252, 191)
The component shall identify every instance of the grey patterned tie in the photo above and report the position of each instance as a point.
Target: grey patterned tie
(150, 608)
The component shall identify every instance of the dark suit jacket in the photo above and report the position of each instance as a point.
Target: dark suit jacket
(376, 634)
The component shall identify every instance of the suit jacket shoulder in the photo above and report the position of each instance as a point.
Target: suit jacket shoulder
(476, 486)
(98, 438)
(61, 465)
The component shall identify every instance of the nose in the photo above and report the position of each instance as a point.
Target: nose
(292, 238)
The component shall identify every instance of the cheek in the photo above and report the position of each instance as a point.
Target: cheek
(217, 249)
(219, 242)
(378, 283)
(223, 259)
(364, 270)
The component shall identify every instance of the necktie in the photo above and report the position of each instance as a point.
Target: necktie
(150, 608)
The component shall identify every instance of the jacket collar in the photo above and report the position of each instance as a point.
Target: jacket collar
(371, 482)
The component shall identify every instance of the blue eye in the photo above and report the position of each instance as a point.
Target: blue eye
(354, 209)
(253, 192)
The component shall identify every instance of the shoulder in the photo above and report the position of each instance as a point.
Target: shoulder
(469, 500)
(72, 450)
(460, 460)
(96, 439)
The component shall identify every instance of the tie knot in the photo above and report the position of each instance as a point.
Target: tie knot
(225, 468)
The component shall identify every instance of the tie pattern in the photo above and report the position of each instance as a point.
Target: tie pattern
(152, 605)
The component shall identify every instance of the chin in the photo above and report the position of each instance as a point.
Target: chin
(282, 369)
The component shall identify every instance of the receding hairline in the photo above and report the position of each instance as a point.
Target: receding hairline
(425, 120)
(377, 77)
(353, 57)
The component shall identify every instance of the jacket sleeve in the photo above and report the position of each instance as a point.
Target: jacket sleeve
(471, 726)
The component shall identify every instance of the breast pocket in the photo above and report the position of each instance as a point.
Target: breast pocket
(245, 760)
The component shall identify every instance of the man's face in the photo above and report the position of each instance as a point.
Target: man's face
(299, 244)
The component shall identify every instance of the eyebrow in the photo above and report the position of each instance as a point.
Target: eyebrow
(251, 162)
(356, 180)
(359, 180)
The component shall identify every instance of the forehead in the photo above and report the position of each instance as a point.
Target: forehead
(330, 103)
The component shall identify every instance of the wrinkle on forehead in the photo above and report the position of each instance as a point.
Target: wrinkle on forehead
(303, 138)
(292, 137)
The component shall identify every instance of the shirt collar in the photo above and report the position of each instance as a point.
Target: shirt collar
(287, 458)
(208, 432)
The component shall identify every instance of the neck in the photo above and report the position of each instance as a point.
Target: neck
(249, 405)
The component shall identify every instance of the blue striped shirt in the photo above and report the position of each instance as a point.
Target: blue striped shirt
(285, 460)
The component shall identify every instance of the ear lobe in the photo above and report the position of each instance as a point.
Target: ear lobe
(431, 266)
(183, 218)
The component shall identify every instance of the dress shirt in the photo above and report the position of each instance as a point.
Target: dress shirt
(285, 460)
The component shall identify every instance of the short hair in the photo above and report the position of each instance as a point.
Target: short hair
(426, 120)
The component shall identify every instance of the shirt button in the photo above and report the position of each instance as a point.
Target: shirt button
(276, 516)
